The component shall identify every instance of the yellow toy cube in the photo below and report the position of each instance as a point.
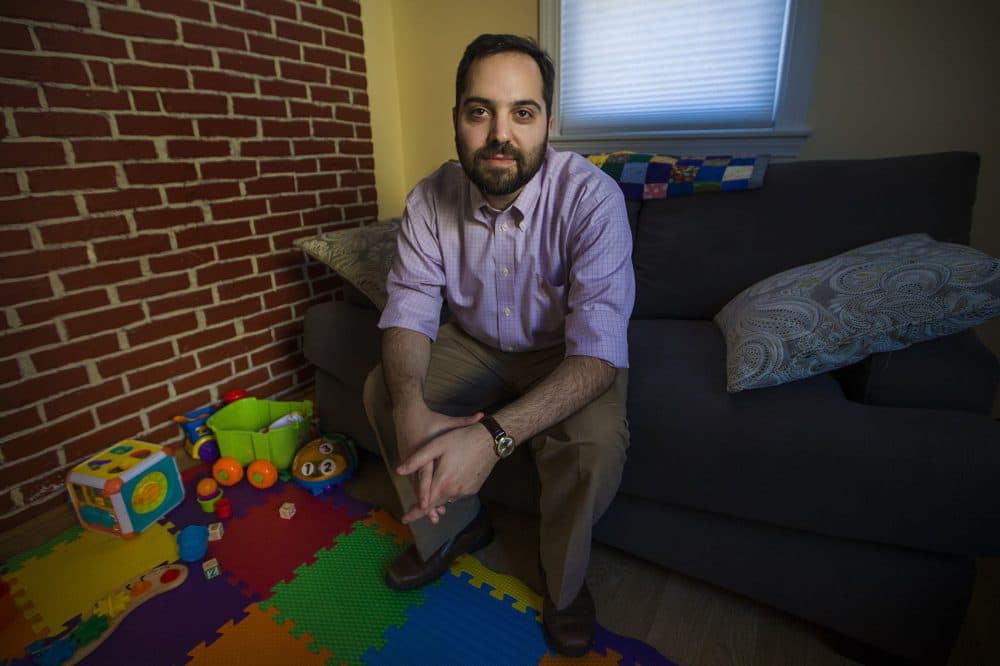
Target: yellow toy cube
(126, 488)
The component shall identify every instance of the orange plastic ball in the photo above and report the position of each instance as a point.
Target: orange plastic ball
(227, 471)
(207, 487)
(262, 474)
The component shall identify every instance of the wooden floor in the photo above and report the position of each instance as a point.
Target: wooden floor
(691, 622)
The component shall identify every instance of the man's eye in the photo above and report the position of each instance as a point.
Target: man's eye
(477, 113)
(524, 114)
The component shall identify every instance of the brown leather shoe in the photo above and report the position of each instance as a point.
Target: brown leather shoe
(570, 631)
(409, 571)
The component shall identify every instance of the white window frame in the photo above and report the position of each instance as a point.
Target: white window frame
(784, 139)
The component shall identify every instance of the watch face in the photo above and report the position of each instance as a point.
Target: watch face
(505, 446)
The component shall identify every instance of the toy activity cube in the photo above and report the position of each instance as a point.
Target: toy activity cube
(126, 488)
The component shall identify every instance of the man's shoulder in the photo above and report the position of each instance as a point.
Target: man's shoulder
(575, 170)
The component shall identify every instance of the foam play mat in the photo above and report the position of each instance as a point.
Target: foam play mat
(301, 590)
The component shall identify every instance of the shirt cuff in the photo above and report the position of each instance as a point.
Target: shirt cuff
(599, 333)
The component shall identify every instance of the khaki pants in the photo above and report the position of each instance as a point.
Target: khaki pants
(579, 461)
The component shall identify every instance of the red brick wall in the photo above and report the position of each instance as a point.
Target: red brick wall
(157, 158)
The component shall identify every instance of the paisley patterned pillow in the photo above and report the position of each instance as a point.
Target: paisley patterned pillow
(362, 255)
(876, 298)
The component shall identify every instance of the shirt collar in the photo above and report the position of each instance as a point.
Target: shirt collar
(523, 206)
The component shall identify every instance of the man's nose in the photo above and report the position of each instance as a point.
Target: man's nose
(501, 129)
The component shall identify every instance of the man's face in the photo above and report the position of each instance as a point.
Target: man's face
(501, 127)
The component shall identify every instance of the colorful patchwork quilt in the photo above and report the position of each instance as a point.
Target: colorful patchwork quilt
(649, 176)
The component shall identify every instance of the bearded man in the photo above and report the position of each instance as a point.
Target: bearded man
(531, 249)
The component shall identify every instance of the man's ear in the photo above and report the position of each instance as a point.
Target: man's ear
(454, 117)
(552, 123)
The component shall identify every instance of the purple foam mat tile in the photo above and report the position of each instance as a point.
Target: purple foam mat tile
(166, 627)
(354, 508)
(633, 651)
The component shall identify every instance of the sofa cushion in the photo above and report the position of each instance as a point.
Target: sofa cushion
(877, 298)
(801, 455)
(694, 254)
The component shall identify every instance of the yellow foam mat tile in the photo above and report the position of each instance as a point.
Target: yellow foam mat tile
(75, 575)
(259, 639)
(502, 584)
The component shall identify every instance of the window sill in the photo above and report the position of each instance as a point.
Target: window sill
(785, 143)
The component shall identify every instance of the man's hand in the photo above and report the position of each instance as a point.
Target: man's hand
(452, 465)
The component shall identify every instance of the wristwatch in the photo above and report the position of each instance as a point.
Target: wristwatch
(503, 444)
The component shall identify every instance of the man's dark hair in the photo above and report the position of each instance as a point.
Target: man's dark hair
(487, 45)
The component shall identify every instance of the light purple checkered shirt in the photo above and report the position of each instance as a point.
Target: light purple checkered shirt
(554, 267)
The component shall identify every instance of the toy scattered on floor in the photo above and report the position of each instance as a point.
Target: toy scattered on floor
(125, 488)
(211, 568)
(193, 542)
(209, 494)
(239, 429)
(287, 510)
(215, 531)
(224, 508)
(227, 470)
(199, 440)
(106, 615)
(262, 474)
(286, 420)
(324, 463)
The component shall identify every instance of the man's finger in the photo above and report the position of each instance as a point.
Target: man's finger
(420, 458)
(426, 474)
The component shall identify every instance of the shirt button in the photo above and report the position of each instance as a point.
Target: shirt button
(506, 312)
(503, 227)
(504, 272)
(510, 347)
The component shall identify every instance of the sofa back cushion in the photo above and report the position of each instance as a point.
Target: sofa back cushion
(694, 254)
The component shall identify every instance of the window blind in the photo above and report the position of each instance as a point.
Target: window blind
(640, 66)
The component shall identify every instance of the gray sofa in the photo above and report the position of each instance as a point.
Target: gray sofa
(856, 499)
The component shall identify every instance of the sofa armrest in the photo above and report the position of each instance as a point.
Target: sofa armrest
(954, 372)
(343, 340)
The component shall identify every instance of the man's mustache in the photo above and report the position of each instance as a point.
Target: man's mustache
(502, 149)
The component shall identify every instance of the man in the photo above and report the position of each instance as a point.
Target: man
(532, 251)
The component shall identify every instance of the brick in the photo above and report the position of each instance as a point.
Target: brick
(347, 6)
(19, 96)
(160, 373)
(339, 163)
(315, 147)
(84, 229)
(83, 398)
(16, 422)
(324, 18)
(165, 412)
(38, 440)
(302, 72)
(355, 147)
(331, 128)
(358, 64)
(94, 441)
(233, 348)
(208, 377)
(165, 218)
(133, 403)
(151, 287)
(213, 36)
(63, 305)
(274, 47)
(298, 32)
(348, 80)
(362, 132)
(222, 82)
(357, 179)
(186, 8)
(154, 173)
(51, 11)
(323, 93)
(153, 125)
(223, 271)
(272, 7)
(180, 261)
(321, 181)
(266, 148)
(363, 212)
(173, 54)
(352, 115)
(254, 106)
(307, 110)
(191, 300)
(287, 166)
(122, 200)
(137, 246)
(210, 234)
(241, 208)
(163, 328)
(206, 338)
(54, 180)
(194, 103)
(270, 185)
(103, 320)
(44, 69)
(100, 73)
(206, 192)
(27, 338)
(150, 76)
(229, 169)
(39, 386)
(283, 89)
(9, 185)
(288, 259)
(12, 240)
(36, 262)
(137, 24)
(293, 128)
(74, 98)
(325, 215)
(15, 37)
(135, 358)
(244, 248)
(246, 64)
(245, 287)
(24, 291)
(343, 42)
(69, 354)
(268, 225)
(71, 41)
(247, 380)
(115, 150)
(61, 123)
(145, 100)
(355, 27)
(234, 127)
(292, 202)
(322, 56)
(10, 371)
(181, 148)
(243, 21)
(104, 275)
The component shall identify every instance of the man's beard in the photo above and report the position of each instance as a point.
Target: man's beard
(501, 182)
